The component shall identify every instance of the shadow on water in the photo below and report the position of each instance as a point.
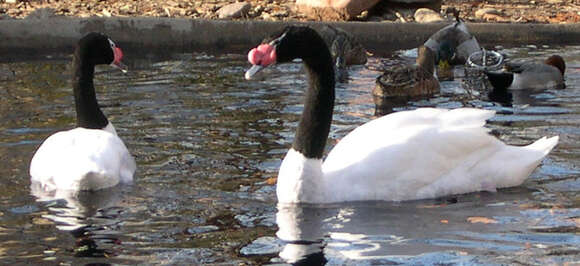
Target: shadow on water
(208, 143)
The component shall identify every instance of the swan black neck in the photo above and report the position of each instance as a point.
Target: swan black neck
(314, 125)
(89, 115)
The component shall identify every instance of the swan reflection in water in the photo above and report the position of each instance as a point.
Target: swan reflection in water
(90, 216)
(346, 234)
(421, 232)
(301, 229)
(343, 233)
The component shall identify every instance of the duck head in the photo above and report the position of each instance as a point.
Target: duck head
(445, 54)
(558, 62)
(426, 58)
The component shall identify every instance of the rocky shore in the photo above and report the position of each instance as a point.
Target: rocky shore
(502, 11)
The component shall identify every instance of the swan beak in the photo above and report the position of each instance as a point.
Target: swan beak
(253, 71)
(118, 56)
(121, 66)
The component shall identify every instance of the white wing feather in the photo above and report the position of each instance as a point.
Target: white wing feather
(425, 153)
(82, 159)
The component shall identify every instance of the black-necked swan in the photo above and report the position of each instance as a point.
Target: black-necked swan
(424, 153)
(91, 156)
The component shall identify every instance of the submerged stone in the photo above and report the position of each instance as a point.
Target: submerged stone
(263, 246)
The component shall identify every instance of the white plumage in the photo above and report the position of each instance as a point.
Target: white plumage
(82, 159)
(409, 155)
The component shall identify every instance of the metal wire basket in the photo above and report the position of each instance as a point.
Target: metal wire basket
(485, 60)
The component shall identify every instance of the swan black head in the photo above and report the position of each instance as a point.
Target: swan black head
(290, 43)
(98, 49)
(91, 50)
(297, 42)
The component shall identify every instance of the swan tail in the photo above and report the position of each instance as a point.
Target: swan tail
(544, 145)
(520, 162)
(127, 170)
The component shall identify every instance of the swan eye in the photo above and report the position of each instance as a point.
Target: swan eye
(112, 44)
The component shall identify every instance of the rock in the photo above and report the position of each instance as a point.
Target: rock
(493, 17)
(253, 220)
(280, 14)
(490, 14)
(235, 10)
(42, 13)
(334, 9)
(480, 13)
(266, 16)
(426, 15)
(106, 13)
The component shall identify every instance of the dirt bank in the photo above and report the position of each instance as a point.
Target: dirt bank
(508, 11)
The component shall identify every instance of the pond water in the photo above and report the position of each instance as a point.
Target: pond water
(208, 144)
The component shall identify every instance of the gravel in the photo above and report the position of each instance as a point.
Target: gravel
(509, 11)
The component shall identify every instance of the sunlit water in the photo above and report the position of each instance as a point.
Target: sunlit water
(207, 143)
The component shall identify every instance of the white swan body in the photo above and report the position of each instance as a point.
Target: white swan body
(82, 159)
(410, 155)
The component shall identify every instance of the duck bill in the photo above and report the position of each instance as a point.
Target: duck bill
(253, 71)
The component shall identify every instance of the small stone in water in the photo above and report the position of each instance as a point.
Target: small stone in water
(23, 209)
(201, 229)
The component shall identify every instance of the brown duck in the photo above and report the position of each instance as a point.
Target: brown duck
(409, 81)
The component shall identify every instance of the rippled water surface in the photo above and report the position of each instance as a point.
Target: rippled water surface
(208, 144)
